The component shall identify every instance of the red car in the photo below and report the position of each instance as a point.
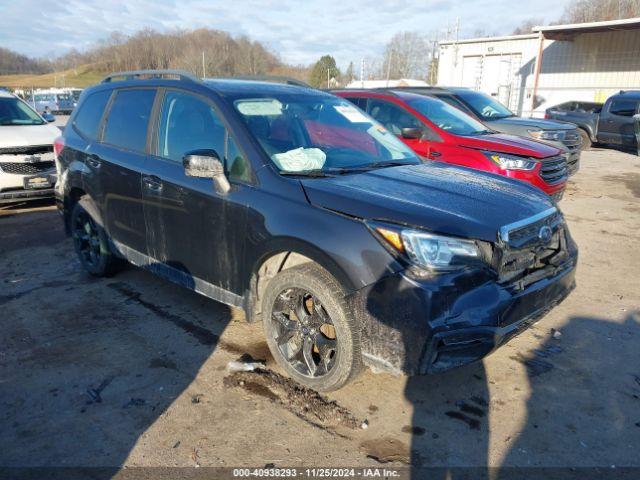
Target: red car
(437, 131)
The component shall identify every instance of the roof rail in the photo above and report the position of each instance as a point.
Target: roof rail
(274, 79)
(133, 74)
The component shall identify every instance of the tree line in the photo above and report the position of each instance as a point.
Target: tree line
(202, 51)
(12, 63)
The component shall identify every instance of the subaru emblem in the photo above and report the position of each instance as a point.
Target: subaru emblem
(545, 234)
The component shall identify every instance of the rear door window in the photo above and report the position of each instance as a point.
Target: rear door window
(128, 119)
(88, 118)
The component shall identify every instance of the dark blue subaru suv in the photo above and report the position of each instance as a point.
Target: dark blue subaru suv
(296, 206)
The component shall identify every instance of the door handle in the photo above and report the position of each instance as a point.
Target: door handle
(434, 154)
(151, 182)
(93, 161)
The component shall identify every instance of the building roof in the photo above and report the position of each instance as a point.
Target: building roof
(558, 32)
(563, 32)
(505, 38)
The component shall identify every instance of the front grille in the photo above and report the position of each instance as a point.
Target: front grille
(28, 149)
(20, 168)
(554, 169)
(573, 163)
(572, 138)
(524, 256)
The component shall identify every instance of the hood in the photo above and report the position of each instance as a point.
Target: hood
(540, 123)
(504, 143)
(435, 196)
(27, 135)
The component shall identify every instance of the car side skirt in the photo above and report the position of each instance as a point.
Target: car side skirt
(179, 277)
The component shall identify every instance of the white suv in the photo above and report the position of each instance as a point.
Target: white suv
(27, 166)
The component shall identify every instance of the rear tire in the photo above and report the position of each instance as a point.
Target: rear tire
(91, 244)
(586, 140)
(310, 329)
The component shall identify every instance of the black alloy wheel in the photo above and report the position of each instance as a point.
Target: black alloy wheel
(304, 333)
(86, 238)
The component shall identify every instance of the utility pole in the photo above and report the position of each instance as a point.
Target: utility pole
(432, 70)
(328, 70)
(389, 66)
(455, 47)
(204, 70)
(362, 72)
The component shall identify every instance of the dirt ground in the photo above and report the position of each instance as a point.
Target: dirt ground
(131, 370)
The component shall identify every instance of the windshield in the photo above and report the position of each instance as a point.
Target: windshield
(303, 133)
(16, 112)
(484, 106)
(446, 117)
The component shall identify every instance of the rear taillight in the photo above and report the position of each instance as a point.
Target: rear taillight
(547, 116)
(58, 145)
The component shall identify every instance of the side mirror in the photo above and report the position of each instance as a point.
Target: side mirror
(412, 133)
(206, 164)
(49, 117)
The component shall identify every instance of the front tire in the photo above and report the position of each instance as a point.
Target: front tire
(91, 244)
(586, 140)
(310, 329)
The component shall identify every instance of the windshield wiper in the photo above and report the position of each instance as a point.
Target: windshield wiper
(304, 173)
(342, 170)
(479, 132)
(368, 167)
(391, 163)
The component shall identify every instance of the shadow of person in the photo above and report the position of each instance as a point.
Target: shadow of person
(582, 411)
(85, 378)
(449, 425)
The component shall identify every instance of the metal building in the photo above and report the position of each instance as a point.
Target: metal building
(558, 63)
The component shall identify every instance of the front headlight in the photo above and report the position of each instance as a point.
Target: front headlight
(511, 162)
(551, 135)
(427, 250)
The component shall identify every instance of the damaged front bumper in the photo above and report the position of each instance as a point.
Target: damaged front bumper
(427, 326)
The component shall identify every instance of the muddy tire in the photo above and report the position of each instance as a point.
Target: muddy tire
(310, 329)
(586, 140)
(91, 244)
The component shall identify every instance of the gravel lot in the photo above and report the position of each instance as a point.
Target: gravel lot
(131, 370)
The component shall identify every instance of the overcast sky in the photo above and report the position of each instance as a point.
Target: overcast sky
(300, 31)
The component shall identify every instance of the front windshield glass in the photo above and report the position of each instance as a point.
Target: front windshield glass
(446, 117)
(303, 133)
(484, 106)
(15, 112)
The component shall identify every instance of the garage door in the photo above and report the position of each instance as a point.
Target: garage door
(471, 72)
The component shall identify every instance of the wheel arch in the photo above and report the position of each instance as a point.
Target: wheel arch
(77, 195)
(284, 254)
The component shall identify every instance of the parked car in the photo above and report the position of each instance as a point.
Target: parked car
(293, 204)
(59, 103)
(636, 128)
(611, 123)
(499, 118)
(437, 131)
(27, 169)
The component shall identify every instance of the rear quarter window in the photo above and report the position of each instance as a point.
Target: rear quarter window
(128, 119)
(88, 118)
